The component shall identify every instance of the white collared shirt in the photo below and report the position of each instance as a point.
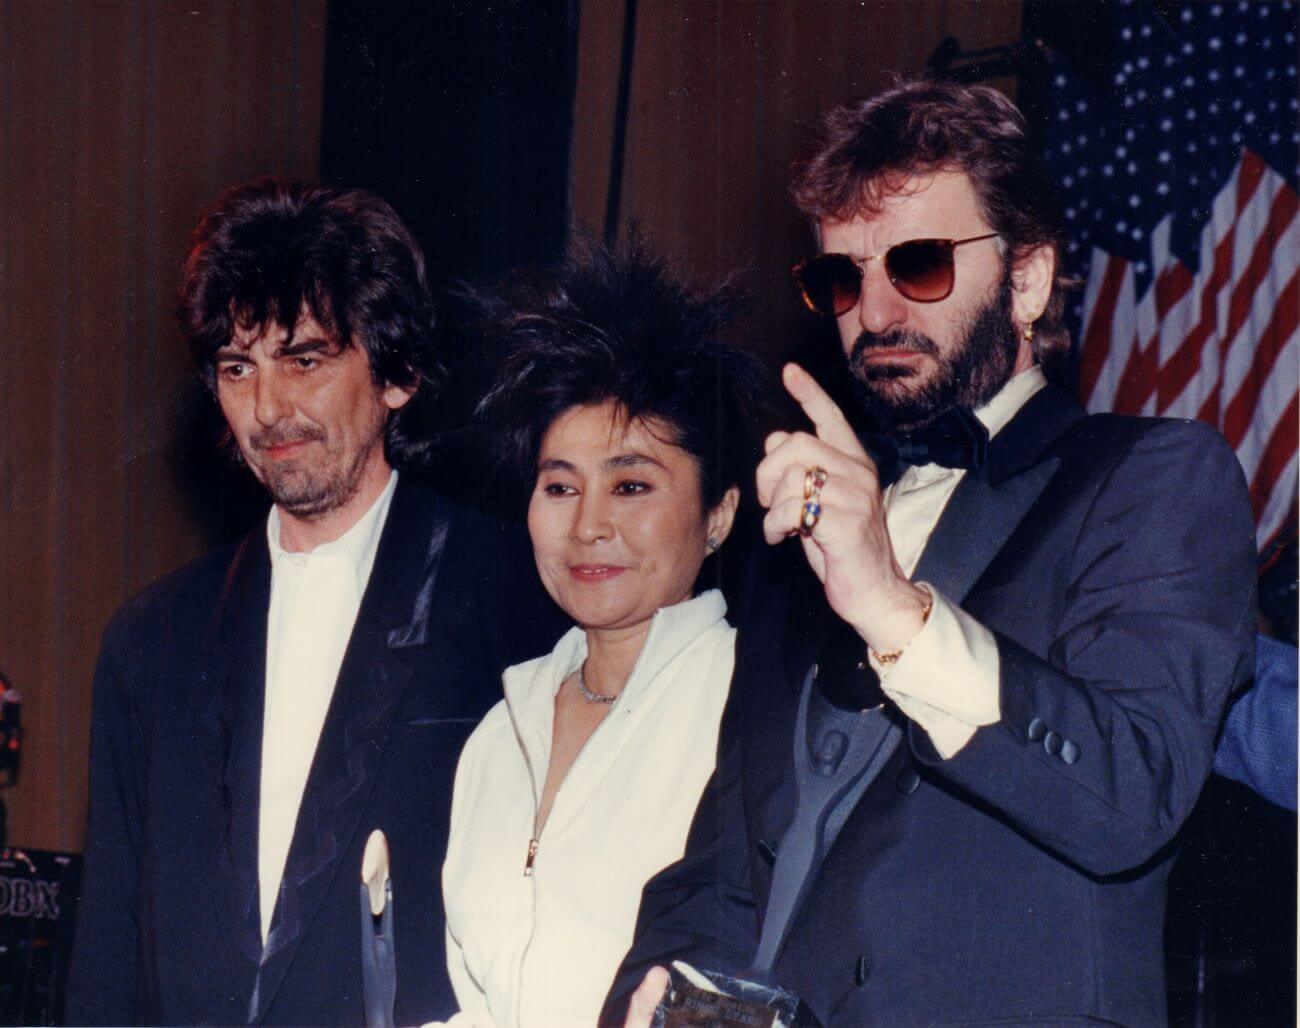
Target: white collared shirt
(315, 597)
(947, 678)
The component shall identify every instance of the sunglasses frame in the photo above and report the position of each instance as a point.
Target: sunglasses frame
(861, 264)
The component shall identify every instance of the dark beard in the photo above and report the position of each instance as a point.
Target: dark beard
(968, 377)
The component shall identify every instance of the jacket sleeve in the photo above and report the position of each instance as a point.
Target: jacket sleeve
(473, 1011)
(1105, 741)
(470, 995)
(700, 909)
(103, 977)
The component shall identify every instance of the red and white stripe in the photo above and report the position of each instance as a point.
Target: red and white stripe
(1222, 346)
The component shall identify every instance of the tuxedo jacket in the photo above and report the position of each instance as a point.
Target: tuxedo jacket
(168, 925)
(1022, 880)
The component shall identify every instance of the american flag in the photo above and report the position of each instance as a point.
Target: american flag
(1179, 186)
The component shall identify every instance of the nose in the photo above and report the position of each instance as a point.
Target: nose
(880, 307)
(270, 400)
(591, 519)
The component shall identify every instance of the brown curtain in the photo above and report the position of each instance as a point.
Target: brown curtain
(723, 94)
(118, 122)
(120, 119)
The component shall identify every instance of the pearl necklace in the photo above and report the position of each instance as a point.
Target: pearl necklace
(587, 694)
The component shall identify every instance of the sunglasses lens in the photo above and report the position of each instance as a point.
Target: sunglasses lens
(831, 283)
(921, 269)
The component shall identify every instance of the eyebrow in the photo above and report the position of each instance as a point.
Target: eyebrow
(631, 460)
(312, 344)
(622, 460)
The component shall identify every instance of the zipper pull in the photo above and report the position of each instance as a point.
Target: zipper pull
(532, 856)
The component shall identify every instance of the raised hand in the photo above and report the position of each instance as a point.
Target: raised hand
(848, 548)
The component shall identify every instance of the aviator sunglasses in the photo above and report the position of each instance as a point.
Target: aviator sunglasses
(920, 269)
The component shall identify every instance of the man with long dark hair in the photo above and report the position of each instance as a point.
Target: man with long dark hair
(972, 711)
(258, 713)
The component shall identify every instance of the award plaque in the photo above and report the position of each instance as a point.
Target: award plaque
(707, 998)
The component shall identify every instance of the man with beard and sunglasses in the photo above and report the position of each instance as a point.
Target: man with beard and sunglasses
(958, 752)
(258, 713)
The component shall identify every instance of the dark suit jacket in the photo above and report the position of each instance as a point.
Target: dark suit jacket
(1023, 880)
(168, 927)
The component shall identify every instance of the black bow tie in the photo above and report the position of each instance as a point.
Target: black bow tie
(955, 439)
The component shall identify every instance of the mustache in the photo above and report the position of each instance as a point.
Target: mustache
(270, 437)
(898, 338)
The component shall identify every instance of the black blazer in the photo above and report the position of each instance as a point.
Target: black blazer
(168, 928)
(1022, 881)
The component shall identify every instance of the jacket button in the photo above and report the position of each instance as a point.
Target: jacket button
(1052, 744)
(908, 781)
(1069, 751)
(861, 971)
(1036, 729)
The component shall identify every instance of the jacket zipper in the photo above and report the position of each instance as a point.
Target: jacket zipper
(535, 843)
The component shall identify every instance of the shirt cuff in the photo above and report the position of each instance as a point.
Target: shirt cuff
(946, 679)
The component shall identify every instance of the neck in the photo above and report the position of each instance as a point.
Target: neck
(611, 656)
(303, 534)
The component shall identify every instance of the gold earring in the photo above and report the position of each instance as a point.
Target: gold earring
(1027, 333)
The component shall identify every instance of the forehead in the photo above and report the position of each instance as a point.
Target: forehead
(270, 335)
(598, 431)
(940, 205)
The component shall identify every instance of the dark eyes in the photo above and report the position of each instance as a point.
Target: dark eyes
(235, 370)
(232, 370)
(623, 488)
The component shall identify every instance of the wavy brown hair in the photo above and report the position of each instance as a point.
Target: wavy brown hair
(865, 149)
(269, 249)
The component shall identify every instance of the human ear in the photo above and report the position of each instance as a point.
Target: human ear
(395, 397)
(721, 518)
(1031, 284)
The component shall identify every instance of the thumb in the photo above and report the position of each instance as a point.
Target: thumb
(641, 1009)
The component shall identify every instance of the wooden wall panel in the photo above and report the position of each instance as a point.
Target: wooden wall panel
(724, 93)
(119, 120)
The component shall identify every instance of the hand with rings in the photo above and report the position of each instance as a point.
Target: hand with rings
(824, 488)
(813, 480)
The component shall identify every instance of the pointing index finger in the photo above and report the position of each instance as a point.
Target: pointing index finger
(828, 420)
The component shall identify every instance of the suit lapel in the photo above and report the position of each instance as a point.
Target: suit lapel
(788, 628)
(975, 525)
(991, 501)
(228, 720)
(393, 617)
(978, 520)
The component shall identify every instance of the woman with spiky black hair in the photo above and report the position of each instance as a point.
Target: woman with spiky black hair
(630, 423)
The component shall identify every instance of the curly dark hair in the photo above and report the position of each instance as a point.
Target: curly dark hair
(269, 249)
(867, 147)
(613, 325)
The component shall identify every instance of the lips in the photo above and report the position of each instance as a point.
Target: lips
(595, 573)
(281, 447)
(282, 450)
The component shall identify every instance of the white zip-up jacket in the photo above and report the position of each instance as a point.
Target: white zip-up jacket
(542, 949)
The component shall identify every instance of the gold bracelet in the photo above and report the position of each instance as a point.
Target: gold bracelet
(886, 659)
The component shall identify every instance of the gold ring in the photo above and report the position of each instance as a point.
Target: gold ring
(811, 512)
